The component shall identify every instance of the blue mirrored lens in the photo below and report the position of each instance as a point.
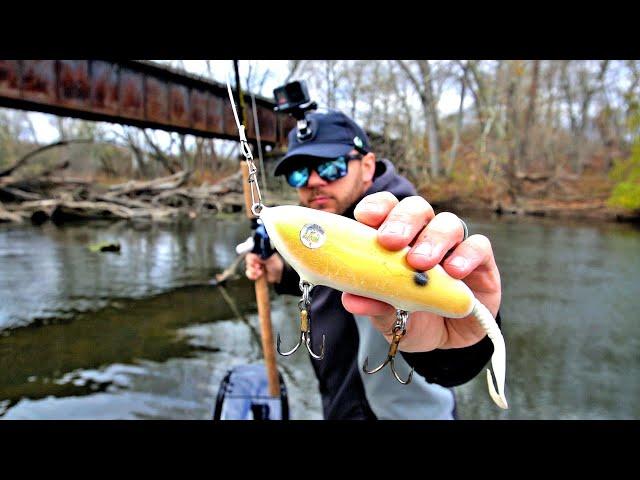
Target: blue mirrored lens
(333, 169)
(298, 178)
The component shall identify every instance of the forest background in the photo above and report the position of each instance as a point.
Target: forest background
(542, 137)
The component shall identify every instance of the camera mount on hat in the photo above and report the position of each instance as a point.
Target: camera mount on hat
(293, 98)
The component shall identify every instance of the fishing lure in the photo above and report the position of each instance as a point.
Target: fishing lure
(341, 253)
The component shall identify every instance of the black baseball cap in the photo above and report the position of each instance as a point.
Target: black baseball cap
(332, 134)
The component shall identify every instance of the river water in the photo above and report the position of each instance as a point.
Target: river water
(141, 334)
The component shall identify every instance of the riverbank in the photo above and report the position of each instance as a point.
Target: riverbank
(585, 199)
(578, 209)
(171, 198)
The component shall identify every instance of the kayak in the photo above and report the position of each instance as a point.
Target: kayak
(244, 395)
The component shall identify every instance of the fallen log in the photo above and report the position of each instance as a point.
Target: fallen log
(21, 194)
(68, 199)
(6, 181)
(39, 187)
(49, 204)
(174, 198)
(39, 211)
(157, 185)
(6, 216)
(125, 202)
(84, 210)
(232, 183)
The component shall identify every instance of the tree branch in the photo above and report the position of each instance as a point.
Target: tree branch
(33, 153)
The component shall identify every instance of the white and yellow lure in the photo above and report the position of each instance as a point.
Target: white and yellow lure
(341, 253)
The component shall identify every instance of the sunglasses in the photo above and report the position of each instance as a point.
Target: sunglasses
(329, 171)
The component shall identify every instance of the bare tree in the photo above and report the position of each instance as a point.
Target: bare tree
(331, 82)
(484, 89)
(294, 67)
(158, 153)
(530, 113)
(129, 137)
(255, 79)
(578, 101)
(354, 79)
(423, 85)
(512, 130)
(404, 117)
(459, 122)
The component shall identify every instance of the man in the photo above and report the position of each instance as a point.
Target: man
(335, 170)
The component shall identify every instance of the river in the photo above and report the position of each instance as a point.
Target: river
(141, 334)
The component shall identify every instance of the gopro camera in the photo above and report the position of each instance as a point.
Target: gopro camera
(293, 98)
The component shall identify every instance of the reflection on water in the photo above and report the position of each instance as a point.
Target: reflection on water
(141, 334)
(58, 276)
(138, 334)
(164, 377)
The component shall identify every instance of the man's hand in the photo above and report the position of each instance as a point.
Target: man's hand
(413, 222)
(255, 267)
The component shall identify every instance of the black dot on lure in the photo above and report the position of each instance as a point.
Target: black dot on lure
(421, 278)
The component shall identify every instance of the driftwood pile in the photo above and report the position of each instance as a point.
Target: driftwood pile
(61, 199)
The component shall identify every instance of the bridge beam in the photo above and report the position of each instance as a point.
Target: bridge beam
(137, 93)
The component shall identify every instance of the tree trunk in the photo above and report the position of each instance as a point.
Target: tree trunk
(458, 128)
(330, 77)
(158, 153)
(432, 119)
(22, 160)
(407, 122)
(530, 114)
(511, 128)
(424, 88)
(569, 99)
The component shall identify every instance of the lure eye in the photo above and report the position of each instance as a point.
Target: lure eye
(421, 278)
(312, 235)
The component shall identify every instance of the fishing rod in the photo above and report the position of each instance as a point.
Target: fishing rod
(261, 286)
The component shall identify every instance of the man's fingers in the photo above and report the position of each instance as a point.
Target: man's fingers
(382, 315)
(374, 208)
(254, 266)
(442, 233)
(254, 272)
(365, 306)
(472, 254)
(473, 262)
(251, 259)
(404, 222)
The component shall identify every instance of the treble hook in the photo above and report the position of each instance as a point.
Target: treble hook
(399, 329)
(305, 326)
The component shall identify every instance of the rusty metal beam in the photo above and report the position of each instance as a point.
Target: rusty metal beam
(137, 93)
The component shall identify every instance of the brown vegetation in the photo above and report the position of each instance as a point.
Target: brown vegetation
(51, 196)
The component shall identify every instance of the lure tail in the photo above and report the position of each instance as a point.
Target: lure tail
(499, 357)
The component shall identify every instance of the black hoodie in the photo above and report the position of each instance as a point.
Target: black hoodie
(341, 386)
